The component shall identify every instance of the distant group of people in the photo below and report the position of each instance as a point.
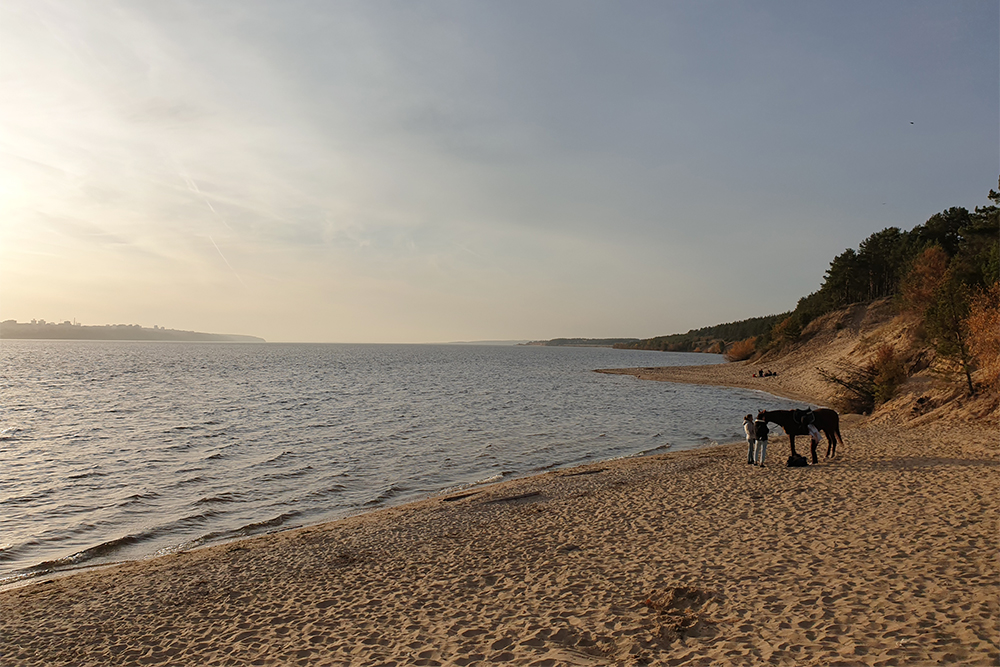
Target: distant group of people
(757, 432)
(765, 374)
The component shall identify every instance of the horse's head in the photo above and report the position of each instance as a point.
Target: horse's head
(762, 415)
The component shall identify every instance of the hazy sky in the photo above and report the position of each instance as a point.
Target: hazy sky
(440, 171)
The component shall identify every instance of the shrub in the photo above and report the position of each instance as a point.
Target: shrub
(889, 374)
(742, 349)
(983, 324)
(947, 324)
(864, 387)
(787, 331)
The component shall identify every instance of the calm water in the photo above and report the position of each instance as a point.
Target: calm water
(116, 451)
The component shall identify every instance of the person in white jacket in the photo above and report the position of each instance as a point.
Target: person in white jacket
(751, 437)
(760, 431)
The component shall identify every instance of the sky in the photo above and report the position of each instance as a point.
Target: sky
(389, 171)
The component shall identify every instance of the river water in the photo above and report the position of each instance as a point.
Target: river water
(116, 451)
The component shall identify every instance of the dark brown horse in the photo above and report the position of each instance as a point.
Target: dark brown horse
(827, 421)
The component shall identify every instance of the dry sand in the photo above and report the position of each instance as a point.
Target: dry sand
(887, 555)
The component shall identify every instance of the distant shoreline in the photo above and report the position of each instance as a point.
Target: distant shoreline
(11, 330)
(580, 342)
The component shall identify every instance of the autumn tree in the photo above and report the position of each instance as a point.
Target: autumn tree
(946, 324)
(919, 287)
(983, 325)
(742, 349)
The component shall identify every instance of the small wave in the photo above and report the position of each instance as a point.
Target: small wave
(646, 452)
(9, 433)
(282, 455)
(244, 531)
(204, 539)
(89, 473)
(29, 498)
(492, 479)
(198, 479)
(258, 526)
(138, 498)
(279, 476)
(390, 492)
(109, 547)
(328, 491)
(192, 520)
(102, 549)
(9, 551)
(221, 498)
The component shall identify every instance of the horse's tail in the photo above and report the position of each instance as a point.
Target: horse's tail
(836, 426)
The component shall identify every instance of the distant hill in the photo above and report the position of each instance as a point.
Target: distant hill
(582, 342)
(13, 330)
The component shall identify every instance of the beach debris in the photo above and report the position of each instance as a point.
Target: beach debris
(681, 612)
(460, 496)
(523, 496)
(592, 471)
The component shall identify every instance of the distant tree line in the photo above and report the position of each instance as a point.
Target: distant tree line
(12, 330)
(708, 339)
(582, 342)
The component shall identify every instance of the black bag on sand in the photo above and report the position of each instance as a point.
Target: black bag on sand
(797, 461)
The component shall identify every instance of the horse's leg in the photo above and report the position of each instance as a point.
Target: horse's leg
(815, 443)
(791, 442)
(831, 443)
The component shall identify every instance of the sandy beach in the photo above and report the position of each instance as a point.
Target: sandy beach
(887, 555)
